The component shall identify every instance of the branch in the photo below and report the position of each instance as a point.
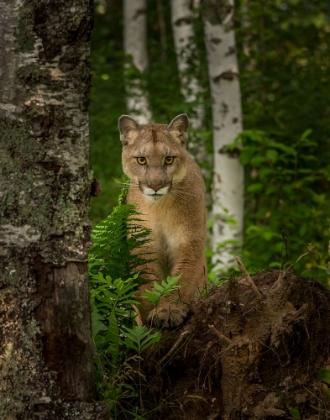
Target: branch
(248, 277)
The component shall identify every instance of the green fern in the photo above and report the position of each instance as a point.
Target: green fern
(115, 271)
(114, 241)
(139, 338)
(163, 289)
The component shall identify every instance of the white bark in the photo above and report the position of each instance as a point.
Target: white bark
(183, 33)
(228, 184)
(135, 47)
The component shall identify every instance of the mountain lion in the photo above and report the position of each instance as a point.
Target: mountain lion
(168, 188)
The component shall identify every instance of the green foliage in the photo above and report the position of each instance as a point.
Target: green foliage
(162, 290)
(282, 197)
(113, 260)
(139, 338)
(284, 58)
(215, 280)
(295, 413)
(106, 106)
(111, 302)
(114, 242)
(283, 50)
(324, 375)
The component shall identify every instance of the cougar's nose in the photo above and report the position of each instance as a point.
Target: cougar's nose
(156, 187)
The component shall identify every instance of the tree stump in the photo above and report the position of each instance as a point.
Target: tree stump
(250, 350)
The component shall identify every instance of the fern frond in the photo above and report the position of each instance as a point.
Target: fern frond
(123, 192)
(115, 241)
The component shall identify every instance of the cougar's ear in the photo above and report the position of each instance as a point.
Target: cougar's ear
(179, 126)
(127, 124)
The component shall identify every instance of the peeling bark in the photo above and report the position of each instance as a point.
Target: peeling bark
(46, 363)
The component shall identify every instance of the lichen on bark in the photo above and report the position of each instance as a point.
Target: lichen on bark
(46, 351)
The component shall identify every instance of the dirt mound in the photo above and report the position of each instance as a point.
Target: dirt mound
(245, 352)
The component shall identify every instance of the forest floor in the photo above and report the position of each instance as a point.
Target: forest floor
(252, 349)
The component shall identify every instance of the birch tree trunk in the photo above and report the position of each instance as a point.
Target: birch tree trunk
(228, 183)
(137, 63)
(46, 350)
(183, 33)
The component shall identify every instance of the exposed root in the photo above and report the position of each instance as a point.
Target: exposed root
(248, 277)
(221, 336)
(283, 274)
(175, 345)
(128, 371)
(241, 356)
(194, 397)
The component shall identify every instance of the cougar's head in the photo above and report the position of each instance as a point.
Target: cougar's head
(154, 156)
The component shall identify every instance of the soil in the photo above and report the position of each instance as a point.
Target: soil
(244, 353)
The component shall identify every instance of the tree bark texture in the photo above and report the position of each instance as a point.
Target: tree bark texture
(46, 363)
(137, 62)
(228, 183)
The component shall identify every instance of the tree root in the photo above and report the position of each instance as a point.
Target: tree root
(221, 336)
(175, 345)
(254, 350)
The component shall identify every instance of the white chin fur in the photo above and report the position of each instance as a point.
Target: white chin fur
(155, 195)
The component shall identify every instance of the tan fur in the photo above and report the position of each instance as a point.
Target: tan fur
(177, 218)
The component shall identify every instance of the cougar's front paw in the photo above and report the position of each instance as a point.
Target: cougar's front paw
(168, 316)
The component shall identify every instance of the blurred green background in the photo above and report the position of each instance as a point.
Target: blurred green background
(283, 51)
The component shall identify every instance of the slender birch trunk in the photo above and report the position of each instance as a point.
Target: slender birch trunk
(183, 33)
(46, 350)
(137, 63)
(228, 183)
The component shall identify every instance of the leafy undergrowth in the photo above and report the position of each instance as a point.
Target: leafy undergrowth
(240, 355)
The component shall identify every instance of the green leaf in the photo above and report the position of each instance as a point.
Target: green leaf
(295, 413)
(272, 154)
(324, 375)
(139, 338)
(323, 267)
(158, 287)
(306, 134)
(255, 188)
(154, 297)
(97, 324)
(258, 161)
(112, 336)
(301, 256)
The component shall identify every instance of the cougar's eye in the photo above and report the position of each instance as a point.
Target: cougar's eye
(141, 160)
(169, 160)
